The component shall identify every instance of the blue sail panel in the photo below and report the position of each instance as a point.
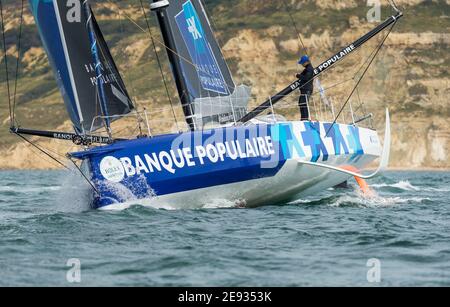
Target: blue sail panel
(47, 23)
(213, 98)
(208, 71)
(205, 71)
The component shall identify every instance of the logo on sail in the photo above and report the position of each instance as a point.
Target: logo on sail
(200, 51)
(193, 28)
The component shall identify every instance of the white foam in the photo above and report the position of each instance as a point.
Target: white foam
(437, 189)
(223, 204)
(124, 197)
(407, 186)
(375, 201)
(402, 185)
(147, 203)
(22, 189)
(74, 194)
(155, 202)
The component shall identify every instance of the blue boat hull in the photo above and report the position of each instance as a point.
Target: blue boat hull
(250, 165)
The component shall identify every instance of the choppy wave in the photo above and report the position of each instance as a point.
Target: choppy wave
(405, 185)
(223, 204)
(354, 199)
(406, 226)
(402, 185)
(37, 189)
(376, 201)
(350, 198)
(155, 203)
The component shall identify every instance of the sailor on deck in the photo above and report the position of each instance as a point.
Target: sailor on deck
(306, 86)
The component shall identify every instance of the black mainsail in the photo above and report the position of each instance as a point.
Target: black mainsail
(204, 81)
(65, 32)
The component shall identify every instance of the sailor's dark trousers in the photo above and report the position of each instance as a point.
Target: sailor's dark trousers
(303, 104)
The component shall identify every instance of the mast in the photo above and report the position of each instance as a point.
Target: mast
(322, 67)
(159, 7)
(98, 67)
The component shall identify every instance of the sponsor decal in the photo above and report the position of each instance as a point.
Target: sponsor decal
(63, 136)
(338, 139)
(300, 141)
(334, 59)
(112, 169)
(226, 118)
(311, 138)
(290, 144)
(171, 161)
(354, 141)
(295, 85)
(200, 51)
(294, 140)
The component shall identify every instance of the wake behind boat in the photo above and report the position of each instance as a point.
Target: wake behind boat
(249, 158)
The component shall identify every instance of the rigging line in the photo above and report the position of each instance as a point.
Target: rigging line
(42, 150)
(54, 151)
(337, 63)
(333, 86)
(129, 18)
(130, 80)
(49, 161)
(159, 64)
(6, 64)
(330, 70)
(50, 151)
(296, 28)
(212, 22)
(19, 46)
(368, 59)
(215, 30)
(394, 5)
(361, 78)
(340, 61)
(85, 177)
(361, 104)
(122, 28)
(375, 49)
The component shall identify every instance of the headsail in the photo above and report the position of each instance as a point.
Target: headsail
(65, 35)
(212, 93)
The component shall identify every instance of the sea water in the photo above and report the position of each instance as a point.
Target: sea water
(49, 236)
